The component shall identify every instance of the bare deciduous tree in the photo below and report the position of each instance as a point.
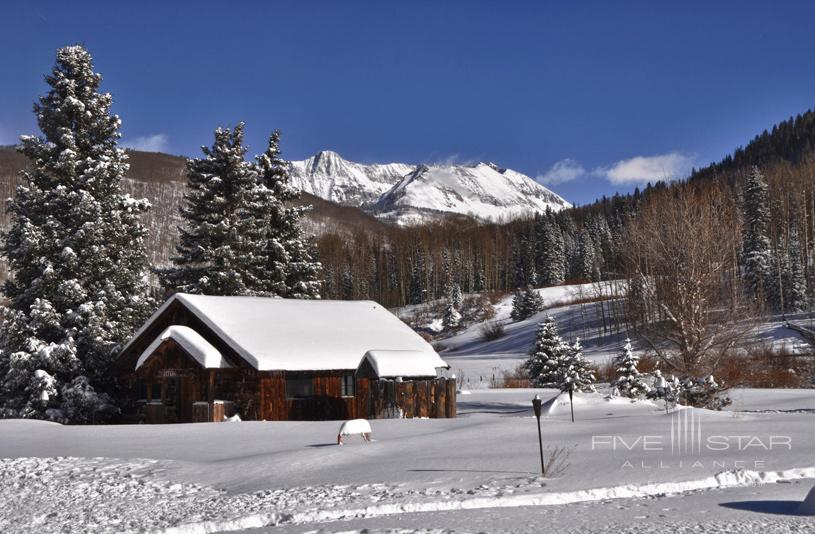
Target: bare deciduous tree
(680, 268)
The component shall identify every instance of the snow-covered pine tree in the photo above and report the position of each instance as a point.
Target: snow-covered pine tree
(525, 304)
(756, 256)
(548, 356)
(287, 263)
(456, 298)
(76, 254)
(551, 254)
(588, 266)
(219, 240)
(452, 317)
(629, 381)
(576, 373)
(797, 299)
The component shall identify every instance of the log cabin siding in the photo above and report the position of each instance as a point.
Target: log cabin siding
(259, 395)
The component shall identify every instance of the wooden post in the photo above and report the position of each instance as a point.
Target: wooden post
(211, 387)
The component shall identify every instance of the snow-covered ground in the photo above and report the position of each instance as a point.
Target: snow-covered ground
(623, 467)
(476, 472)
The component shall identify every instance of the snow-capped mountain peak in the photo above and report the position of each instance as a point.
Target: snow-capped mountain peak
(409, 194)
(329, 176)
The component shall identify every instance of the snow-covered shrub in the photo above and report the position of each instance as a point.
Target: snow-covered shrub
(703, 393)
(82, 404)
(492, 330)
(526, 303)
(629, 380)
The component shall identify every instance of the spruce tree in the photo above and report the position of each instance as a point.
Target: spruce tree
(547, 357)
(551, 254)
(287, 263)
(219, 240)
(756, 256)
(452, 317)
(629, 380)
(575, 372)
(588, 267)
(525, 304)
(456, 298)
(797, 299)
(76, 254)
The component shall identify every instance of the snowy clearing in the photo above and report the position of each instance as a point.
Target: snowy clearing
(217, 477)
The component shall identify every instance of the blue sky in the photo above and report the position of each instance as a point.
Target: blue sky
(589, 97)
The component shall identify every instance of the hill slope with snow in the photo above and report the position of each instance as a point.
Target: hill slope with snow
(408, 194)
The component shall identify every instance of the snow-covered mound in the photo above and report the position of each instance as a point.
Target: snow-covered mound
(411, 194)
(484, 191)
(329, 176)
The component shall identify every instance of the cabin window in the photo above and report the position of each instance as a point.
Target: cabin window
(299, 388)
(347, 385)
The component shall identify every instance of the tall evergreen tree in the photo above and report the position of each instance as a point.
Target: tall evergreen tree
(287, 258)
(588, 268)
(756, 256)
(219, 240)
(797, 299)
(551, 254)
(76, 254)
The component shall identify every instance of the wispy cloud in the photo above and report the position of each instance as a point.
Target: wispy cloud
(562, 171)
(642, 169)
(147, 143)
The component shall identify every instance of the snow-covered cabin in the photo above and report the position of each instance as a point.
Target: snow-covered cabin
(200, 357)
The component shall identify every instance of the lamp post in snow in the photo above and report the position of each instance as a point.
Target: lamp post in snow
(536, 405)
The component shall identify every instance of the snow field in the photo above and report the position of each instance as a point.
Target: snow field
(215, 477)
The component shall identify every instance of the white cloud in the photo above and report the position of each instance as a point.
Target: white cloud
(642, 169)
(147, 143)
(562, 171)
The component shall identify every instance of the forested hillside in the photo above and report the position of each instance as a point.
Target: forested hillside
(364, 258)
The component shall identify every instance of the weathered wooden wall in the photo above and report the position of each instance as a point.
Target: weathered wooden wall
(417, 398)
(421, 398)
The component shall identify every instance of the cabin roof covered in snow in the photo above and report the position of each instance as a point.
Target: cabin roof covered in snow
(196, 346)
(301, 335)
(405, 363)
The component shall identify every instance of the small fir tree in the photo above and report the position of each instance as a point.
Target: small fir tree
(629, 380)
(452, 317)
(525, 304)
(547, 357)
(456, 298)
(576, 373)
